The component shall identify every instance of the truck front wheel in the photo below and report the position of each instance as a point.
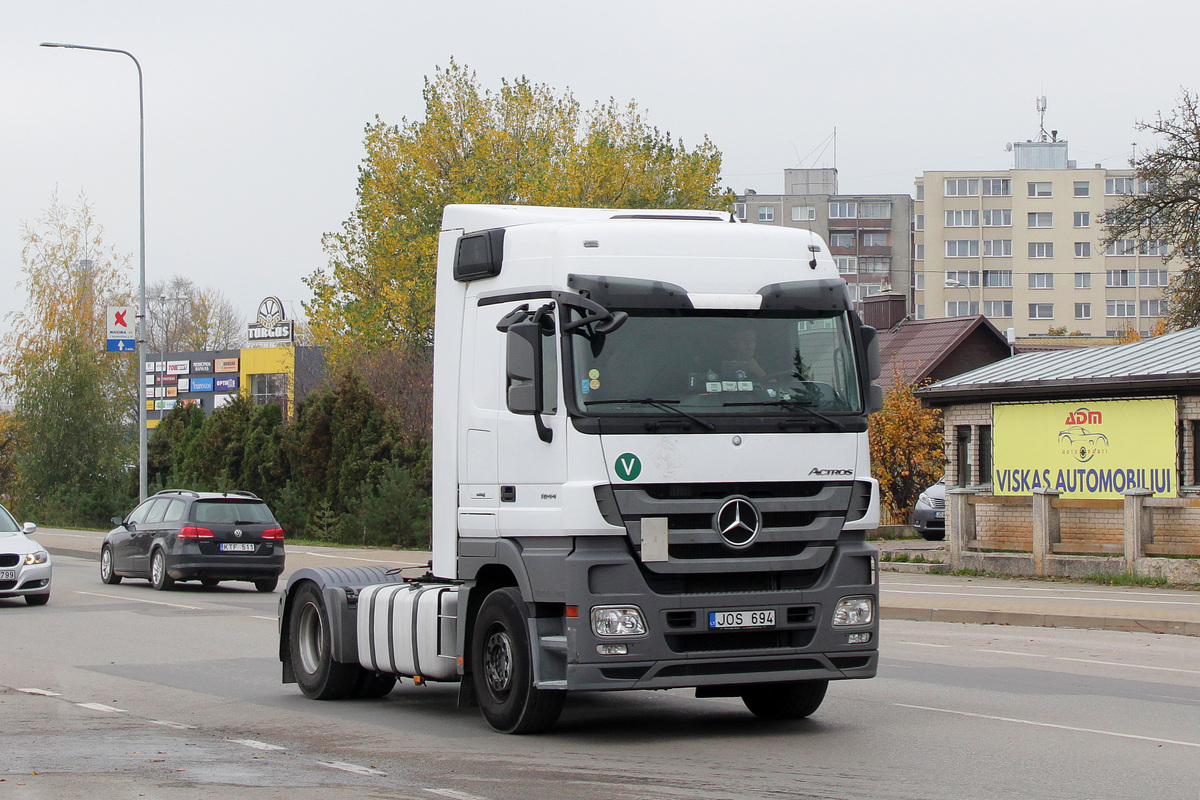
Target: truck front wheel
(310, 650)
(785, 700)
(502, 668)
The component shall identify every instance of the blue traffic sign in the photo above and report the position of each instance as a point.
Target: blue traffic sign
(121, 345)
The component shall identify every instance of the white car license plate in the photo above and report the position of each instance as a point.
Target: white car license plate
(742, 619)
(939, 514)
(8, 574)
(237, 547)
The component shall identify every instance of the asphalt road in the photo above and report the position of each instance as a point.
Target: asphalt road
(121, 692)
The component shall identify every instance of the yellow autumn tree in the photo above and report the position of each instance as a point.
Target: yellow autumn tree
(907, 448)
(523, 144)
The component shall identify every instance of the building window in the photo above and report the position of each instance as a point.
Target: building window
(1083, 249)
(1118, 277)
(1041, 311)
(997, 308)
(1083, 219)
(920, 191)
(847, 265)
(961, 308)
(766, 213)
(1083, 311)
(1153, 308)
(920, 252)
(997, 218)
(920, 311)
(269, 389)
(1122, 247)
(1041, 219)
(962, 248)
(997, 187)
(964, 218)
(962, 455)
(1083, 189)
(1154, 247)
(1041, 189)
(919, 222)
(997, 247)
(874, 210)
(919, 282)
(843, 210)
(875, 240)
(1152, 277)
(997, 277)
(1041, 249)
(1083, 280)
(841, 240)
(1118, 186)
(874, 265)
(740, 210)
(1041, 280)
(963, 276)
(962, 187)
(803, 213)
(1121, 308)
(985, 454)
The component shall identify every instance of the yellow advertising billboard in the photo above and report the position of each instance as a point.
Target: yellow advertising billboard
(1093, 449)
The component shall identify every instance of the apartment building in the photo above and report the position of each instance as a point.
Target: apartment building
(1022, 246)
(869, 236)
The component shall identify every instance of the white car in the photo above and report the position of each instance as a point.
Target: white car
(24, 564)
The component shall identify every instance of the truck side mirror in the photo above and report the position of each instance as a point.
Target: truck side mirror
(524, 367)
(871, 341)
(874, 398)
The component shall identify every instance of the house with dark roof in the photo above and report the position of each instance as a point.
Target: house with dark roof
(917, 351)
(1076, 461)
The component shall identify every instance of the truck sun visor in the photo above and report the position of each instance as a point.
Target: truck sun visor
(824, 295)
(630, 292)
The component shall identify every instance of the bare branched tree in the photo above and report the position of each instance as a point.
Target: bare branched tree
(182, 317)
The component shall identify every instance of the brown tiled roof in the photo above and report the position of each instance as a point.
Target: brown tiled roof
(917, 347)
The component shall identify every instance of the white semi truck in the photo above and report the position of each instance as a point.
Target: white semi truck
(650, 471)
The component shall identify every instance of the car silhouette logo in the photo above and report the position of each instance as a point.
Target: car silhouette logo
(1082, 443)
(738, 522)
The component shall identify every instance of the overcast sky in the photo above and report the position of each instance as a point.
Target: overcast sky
(255, 110)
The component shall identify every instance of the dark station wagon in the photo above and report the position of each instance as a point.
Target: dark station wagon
(180, 535)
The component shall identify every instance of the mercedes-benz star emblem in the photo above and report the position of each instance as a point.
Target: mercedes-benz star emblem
(738, 522)
(237, 532)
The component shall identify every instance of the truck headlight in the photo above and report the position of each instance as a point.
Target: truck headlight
(618, 621)
(40, 557)
(854, 611)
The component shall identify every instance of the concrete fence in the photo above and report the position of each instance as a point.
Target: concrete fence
(1045, 535)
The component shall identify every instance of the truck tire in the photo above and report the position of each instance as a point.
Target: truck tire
(785, 700)
(310, 649)
(502, 668)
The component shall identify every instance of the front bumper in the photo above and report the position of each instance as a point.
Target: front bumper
(31, 579)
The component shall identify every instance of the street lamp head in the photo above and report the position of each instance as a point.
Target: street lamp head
(953, 284)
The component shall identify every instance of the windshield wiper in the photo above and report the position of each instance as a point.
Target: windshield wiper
(663, 405)
(792, 405)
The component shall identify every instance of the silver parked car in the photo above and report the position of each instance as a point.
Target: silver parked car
(24, 564)
(929, 515)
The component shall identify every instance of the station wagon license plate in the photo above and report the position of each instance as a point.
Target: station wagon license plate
(8, 574)
(237, 547)
(764, 618)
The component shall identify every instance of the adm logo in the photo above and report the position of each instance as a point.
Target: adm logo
(830, 472)
(1083, 442)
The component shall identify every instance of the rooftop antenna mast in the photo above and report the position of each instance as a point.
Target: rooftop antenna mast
(1041, 107)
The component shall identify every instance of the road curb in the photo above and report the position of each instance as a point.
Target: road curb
(1041, 620)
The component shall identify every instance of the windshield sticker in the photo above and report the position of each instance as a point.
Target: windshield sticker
(585, 386)
(628, 467)
(712, 386)
(594, 374)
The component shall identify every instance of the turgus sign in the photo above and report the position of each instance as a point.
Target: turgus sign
(271, 325)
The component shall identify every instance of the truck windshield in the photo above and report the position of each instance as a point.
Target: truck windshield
(717, 362)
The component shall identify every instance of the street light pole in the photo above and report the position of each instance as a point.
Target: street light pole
(957, 284)
(141, 337)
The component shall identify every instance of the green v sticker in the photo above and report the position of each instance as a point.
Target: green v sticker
(628, 466)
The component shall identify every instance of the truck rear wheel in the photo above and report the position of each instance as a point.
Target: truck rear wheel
(785, 700)
(502, 668)
(311, 652)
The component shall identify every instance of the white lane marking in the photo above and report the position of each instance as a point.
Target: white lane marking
(1050, 597)
(369, 560)
(257, 745)
(1116, 734)
(454, 794)
(355, 768)
(925, 644)
(1073, 590)
(1059, 658)
(136, 600)
(102, 707)
(42, 692)
(268, 619)
(179, 726)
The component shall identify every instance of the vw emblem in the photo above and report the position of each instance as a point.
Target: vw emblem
(237, 532)
(738, 522)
